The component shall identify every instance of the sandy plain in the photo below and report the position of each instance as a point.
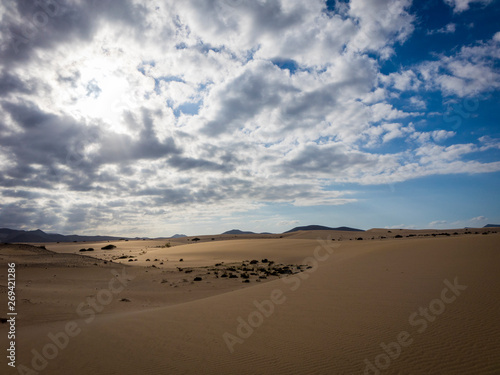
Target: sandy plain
(425, 303)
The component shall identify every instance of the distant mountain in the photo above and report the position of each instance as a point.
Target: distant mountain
(320, 227)
(12, 235)
(237, 231)
(178, 236)
(491, 226)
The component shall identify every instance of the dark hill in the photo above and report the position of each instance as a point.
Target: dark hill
(320, 227)
(237, 231)
(13, 236)
(491, 226)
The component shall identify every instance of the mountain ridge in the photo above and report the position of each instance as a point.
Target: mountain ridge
(321, 227)
(237, 231)
(38, 235)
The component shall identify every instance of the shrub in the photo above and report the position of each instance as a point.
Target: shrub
(197, 278)
(108, 247)
(398, 236)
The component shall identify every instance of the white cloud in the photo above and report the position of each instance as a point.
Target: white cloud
(448, 29)
(463, 5)
(488, 143)
(401, 226)
(478, 219)
(382, 23)
(441, 135)
(286, 223)
(402, 81)
(418, 103)
(468, 72)
(438, 224)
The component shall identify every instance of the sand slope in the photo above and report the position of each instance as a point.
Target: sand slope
(360, 296)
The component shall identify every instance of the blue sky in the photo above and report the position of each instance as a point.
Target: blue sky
(149, 118)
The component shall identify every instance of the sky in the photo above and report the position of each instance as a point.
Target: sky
(149, 118)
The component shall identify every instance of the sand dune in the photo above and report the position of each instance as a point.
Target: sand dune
(330, 319)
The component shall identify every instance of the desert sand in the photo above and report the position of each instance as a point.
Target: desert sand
(413, 305)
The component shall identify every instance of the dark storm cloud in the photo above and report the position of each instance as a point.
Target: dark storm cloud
(310, 107)
(26, 214)
(43, 24)
(313, 158)
(185, 163)
(246, 96)
(77, 215)
(225, 189)
(10, 83)
(171, 196)
(119, 148)
(45, 138)
(49, 142)
(199, 193)
(20, 194)
(264, 18)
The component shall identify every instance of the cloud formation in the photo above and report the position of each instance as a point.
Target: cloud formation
(120, 112)
(463, 5)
